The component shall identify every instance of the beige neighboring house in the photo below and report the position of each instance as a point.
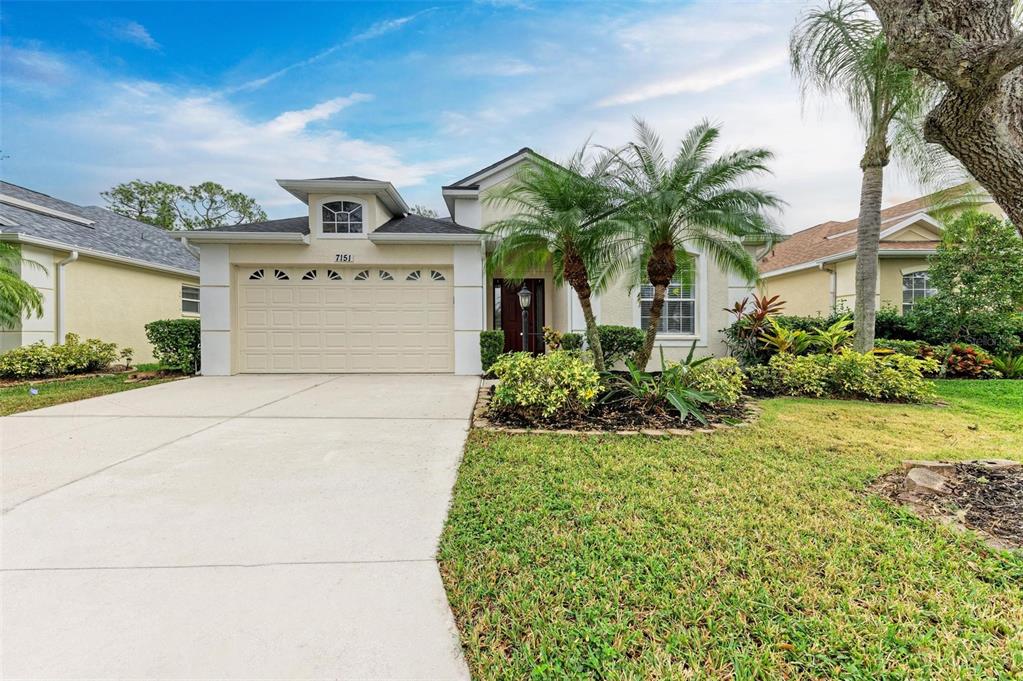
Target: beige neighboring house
(358, 284)
(814, 270)
(102, 275)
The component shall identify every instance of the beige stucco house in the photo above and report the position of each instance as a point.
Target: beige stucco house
(101, 275)
(358, 284)
(814, 270)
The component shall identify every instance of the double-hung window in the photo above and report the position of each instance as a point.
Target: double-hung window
(190, 299)
(678, 317)
(915, 286)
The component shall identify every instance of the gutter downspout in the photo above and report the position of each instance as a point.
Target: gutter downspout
(61, 330)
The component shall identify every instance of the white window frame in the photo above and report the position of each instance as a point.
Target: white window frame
(928, 289)
(188, 299)
(700, 286)
(316, 216)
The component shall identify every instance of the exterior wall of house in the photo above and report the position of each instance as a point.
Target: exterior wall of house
(101, 299)
(219, 263)
(891, 272)
(115, 302)
(806, 292)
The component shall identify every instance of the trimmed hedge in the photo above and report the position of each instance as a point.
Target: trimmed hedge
(536, 387)
(491, 346)
(175, 343)
(619, 343)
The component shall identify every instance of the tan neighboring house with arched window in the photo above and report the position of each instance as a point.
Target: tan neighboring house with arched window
(814, 270)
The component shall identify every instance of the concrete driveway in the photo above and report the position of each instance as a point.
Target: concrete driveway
(249, 527)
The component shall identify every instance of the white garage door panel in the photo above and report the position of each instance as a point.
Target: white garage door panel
(325, 325)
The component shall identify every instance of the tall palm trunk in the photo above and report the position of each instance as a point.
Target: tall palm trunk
(660, 269)
(578, 277)
(868, 235)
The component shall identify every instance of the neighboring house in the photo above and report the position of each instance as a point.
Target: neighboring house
(814, 270)
(360, 285)
(102, 275)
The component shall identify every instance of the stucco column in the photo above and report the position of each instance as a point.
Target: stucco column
(215, 309)
(470, 303)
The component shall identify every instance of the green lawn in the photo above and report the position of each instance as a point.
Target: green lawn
(14, 399)
(750, 553)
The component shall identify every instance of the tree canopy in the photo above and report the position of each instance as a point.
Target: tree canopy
(173, 207)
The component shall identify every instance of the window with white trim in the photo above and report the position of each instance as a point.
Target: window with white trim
(190, 299)
(678, 316)
(342, 217)
(915, 286)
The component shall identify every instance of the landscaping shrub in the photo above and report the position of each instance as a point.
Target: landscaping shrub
(910, 348)
(537, 387)
(1008, 365)
(619, 343)
(751, 320)
(491, 346)
(722, 377)
(965, 361)
(890, 377)
(572, 341)
(175, 343)
(73, 356)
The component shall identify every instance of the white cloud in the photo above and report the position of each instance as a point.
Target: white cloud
(131, 32)
(484, 65)
(295, 121)
(32, 69)
(388, 26)
(257, 83)
(702, 80)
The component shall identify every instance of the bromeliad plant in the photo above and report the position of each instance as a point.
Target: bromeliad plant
(650, 391)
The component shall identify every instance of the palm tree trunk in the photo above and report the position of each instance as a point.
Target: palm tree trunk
(868, 234)
(592, 333)
(656, 307)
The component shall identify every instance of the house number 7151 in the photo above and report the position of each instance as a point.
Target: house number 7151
(343, 257)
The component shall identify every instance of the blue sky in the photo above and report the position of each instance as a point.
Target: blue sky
(416, 93)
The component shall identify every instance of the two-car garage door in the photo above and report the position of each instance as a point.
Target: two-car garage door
(339, 319)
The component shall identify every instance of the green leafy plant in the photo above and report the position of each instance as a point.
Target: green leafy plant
(835, 337)
(619, 343)
(966, 361)
(127, 354)
(652, 391)
(890, 377)
(556, 340)
(74, 356)
(780, 340)
(491, 346)
(1008, 365)
(175, 343)
(538, 387)
(572, 341)
(719, 376)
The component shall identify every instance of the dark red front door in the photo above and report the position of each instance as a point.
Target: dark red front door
(508, 315)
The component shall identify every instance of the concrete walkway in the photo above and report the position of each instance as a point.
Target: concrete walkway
(256, 527)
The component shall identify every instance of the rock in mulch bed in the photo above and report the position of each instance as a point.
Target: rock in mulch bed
(613, 419)
(985, 495)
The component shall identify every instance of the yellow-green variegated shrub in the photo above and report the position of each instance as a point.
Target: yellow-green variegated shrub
(537, 387)
(721, 376)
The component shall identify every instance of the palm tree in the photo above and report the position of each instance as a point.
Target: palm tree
(690, 201)
(17, 297)
(840, 49)
(563, 217)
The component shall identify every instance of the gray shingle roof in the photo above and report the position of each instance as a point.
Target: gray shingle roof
(417, 224)
(408, 224)
(109, 233)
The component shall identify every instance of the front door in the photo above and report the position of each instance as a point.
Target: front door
(508, 315)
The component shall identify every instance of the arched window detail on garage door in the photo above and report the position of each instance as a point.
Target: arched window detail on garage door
(333, 276)
(362, 276)
(436, 276)
(256, 275)
(414, 275)
(281, 275)
(309, 276)
(386, 276)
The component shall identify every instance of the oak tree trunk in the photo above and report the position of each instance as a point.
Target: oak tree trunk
(972, 47)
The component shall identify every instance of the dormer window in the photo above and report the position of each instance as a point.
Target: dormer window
(342, 217)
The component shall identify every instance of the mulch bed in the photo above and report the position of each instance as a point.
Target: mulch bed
(978, 497)
(131, 376)
(616, 417)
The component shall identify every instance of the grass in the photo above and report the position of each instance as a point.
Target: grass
(17, 398)
(751, 553)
